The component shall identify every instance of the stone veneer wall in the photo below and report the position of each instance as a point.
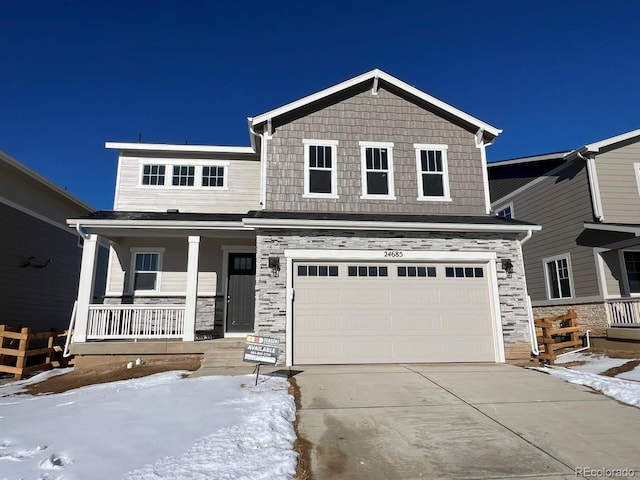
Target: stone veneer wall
(591, 316)
(271, 291)
(205, 307)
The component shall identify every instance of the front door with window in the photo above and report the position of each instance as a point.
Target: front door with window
(241, 294)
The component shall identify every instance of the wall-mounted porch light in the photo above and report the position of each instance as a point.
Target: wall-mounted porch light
(507, 266)
(274, 265)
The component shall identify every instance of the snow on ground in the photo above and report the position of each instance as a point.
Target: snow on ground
(594, 363)
(158, 427)
(622, 390)
(624, 387)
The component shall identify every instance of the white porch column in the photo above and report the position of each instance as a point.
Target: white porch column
(192, 290)
(85, 287)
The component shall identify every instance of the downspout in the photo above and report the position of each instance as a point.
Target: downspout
(532, 326)
(593, 186)
(480, 143)
(263, 164)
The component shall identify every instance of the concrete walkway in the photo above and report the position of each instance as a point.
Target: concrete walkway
(459, 422)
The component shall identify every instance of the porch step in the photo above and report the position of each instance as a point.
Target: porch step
(224, 353)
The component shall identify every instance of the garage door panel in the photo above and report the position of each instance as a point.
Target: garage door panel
(385, 314)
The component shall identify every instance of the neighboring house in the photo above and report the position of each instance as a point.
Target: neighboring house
(40, 254)
(587, 256)
(356, 228)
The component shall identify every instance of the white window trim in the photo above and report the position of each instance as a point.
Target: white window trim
(363, 170)
(134, 251)
(225, 177)
(334, 167)
(445, 173)
(547, 280)
(625, 274)
(168, 173)
(506, 205)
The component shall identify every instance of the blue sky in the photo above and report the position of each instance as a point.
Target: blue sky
(553, 74)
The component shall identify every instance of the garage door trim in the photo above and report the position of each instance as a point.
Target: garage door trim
(489, 258)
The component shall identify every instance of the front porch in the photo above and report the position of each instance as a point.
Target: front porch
(624, 315)
(166, 282)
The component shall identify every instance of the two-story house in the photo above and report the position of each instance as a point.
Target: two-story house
(587, 256)
(356, 228)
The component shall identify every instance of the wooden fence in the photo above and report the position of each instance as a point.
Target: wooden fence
(22, 351)
(553, 333)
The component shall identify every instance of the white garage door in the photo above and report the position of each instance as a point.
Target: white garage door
(362, 312)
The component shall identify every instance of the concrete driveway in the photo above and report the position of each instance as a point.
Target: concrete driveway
(459, 422)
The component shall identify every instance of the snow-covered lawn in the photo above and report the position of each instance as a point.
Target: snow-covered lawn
(624, 387)
(162, 426)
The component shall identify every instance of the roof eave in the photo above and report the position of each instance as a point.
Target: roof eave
(167, 147)
(377, 225)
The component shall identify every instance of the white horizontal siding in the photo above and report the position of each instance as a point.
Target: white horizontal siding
(241, 193)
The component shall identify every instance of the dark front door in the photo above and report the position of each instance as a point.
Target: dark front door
(241, 295)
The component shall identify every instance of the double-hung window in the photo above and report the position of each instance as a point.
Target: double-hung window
(632, 267)
(153, 174)
(558, 276)
(184, 175)
(146, 270)
(433, 175)
(377, 170)
(320, 170)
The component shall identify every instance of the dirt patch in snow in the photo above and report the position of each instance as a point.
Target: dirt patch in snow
(301, 445)
(107, 373)
(627, 367)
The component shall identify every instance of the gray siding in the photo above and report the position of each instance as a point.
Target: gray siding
(613, 272)
(241, 194)
(385, 117)
(618, 184)
(38, 298)
(561, 204)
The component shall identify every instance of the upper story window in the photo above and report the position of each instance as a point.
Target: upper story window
(320, 171)
(433, 174)
(377, 170)
(505, 212)
(153, 174)
(213, 176)
(558, 276)
(184, 175)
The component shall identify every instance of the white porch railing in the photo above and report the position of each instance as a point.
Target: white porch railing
(624, 313)
(135, 321)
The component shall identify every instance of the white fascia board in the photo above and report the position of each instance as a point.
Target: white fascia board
(157, 224)
(376, 73)
(373, 225)
(42, 180)
(535, 158)
(596, 146)
(613, 228)
(161, 147)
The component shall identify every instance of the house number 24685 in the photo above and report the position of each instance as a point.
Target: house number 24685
(393, 254)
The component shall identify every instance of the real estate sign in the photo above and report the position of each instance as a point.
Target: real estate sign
(261, 350)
